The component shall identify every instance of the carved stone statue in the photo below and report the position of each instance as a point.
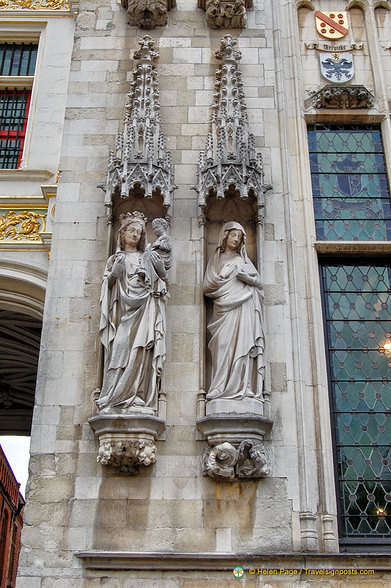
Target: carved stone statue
(236, 327)
(148, 14)
(133, 318)
(228, 462)
(220, 13)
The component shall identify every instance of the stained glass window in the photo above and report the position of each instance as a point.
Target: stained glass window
(349, 183)
(357, 301)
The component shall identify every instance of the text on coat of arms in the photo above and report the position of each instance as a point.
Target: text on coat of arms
(332, 25)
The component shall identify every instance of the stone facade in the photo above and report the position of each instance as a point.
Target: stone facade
(170, 525)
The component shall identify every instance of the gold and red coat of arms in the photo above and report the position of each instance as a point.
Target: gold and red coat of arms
(332, 25)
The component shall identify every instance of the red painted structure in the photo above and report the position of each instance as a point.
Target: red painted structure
(11, 523)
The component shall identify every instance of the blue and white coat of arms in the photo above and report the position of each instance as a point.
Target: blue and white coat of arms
(337, 67)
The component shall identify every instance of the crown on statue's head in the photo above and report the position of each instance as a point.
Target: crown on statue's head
(132, 217)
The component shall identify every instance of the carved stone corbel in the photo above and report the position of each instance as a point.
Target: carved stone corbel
(341, 97)
(227, 14)
(127, 442)
(148, 14)
(141, 159)
(235, 433)
(229, 159)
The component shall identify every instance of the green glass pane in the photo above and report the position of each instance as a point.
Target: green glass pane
(357, 299)
(353, 163)
(362, 396)
(357, 278)
(354, 306)
(358, 335)
(345, 141)
(347, 186)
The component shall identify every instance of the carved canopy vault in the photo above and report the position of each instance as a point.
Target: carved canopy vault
(141, 160)
(229, 159)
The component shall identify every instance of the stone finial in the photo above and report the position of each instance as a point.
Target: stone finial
(140, 158)
(228, 14)
(148, 14)
(229, 157)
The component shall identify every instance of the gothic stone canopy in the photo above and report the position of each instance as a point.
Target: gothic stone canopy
(229, 158)
(141, 159)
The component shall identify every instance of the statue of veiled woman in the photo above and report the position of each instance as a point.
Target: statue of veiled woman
(133, 325)
(236, 327)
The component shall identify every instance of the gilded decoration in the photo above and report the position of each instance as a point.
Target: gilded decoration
(36, 5)
(22, 225)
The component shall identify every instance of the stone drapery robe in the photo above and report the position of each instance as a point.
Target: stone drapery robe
(132, 331)
(237, 338)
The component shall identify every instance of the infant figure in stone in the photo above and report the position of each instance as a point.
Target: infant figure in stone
(157, 258)
(236, 327)
(133, 324)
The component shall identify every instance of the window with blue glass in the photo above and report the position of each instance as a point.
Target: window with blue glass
(349, 183)
(357, 302)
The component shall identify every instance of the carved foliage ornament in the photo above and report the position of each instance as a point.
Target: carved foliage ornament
(148, 14)
(36, 5)
(229, 158)
(226, 461)
(22, 225)
(346, 97)
(125, 455)
(141, 158)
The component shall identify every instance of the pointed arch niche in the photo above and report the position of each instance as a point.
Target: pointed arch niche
(231, 188)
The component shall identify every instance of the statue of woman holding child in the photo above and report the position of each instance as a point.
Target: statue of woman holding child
(133, 317)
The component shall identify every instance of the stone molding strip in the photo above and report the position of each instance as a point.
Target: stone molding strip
(122, 560)
(360, 247)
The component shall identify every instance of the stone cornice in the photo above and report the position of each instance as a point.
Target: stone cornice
(122, 560)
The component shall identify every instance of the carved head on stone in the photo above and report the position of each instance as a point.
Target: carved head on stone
(135, 218)
(227, 231)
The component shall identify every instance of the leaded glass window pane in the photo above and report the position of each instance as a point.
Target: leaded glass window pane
(357, 300)
(349, 184)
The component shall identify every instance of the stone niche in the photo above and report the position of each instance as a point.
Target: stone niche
(236, 430)
(138, 193)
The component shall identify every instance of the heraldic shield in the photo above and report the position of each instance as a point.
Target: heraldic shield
(332, 25)
(337, 67)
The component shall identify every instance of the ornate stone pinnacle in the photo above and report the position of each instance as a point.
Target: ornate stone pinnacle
(227, 51)
(229, 158)
(141, 159)
(147, 51)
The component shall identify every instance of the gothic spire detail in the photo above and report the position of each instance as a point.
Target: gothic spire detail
(140, 159)
(229, 158)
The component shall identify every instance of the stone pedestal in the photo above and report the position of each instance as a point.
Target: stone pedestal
(235, 431)
(127, 441)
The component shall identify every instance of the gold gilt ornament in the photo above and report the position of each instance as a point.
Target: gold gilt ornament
(23, 225)
(34, 5)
